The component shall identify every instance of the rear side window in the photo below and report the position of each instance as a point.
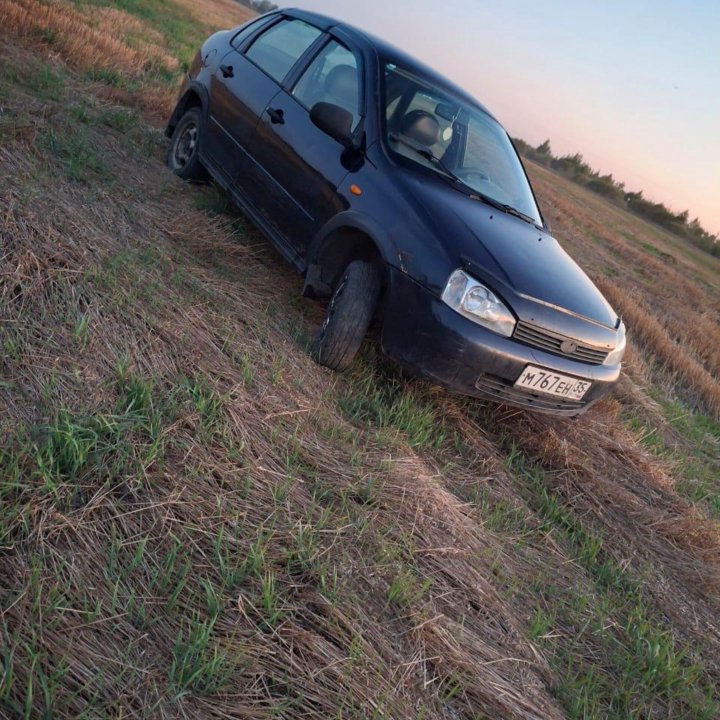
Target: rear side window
(331, 77)
(281, 46)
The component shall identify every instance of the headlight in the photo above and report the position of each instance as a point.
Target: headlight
(616, 355)
(476, 302)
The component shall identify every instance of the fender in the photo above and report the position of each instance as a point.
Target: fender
(319, 275)
(189, 86)
(353, 220)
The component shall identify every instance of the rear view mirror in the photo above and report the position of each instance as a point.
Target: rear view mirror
(446, 111)
(333, 120)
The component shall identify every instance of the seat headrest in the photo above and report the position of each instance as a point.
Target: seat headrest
(341, 84)
(421, 126)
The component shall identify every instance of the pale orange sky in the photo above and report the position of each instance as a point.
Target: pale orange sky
(634, 86)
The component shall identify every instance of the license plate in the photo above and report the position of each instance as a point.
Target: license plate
(551, 383)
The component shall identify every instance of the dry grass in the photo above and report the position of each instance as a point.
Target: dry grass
(199, 522)
(697, 382)
(325, 652)
(130, 58)
(218, 13)
(86, 39)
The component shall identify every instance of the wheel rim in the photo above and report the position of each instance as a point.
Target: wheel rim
(185, 145)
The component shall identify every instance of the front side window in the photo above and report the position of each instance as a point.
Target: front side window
(331, 77)
(280, 47)
(247, 30)
(432, 128)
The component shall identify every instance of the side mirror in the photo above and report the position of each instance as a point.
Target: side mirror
(334, 121)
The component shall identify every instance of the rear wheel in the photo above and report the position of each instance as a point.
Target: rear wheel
(183, 156)
(348, 317)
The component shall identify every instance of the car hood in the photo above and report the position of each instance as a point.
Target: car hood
(519, 256)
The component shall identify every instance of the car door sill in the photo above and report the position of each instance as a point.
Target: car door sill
(285, 249)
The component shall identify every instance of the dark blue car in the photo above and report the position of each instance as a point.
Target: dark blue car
(399, 197)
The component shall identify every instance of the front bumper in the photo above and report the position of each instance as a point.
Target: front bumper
(430, 339)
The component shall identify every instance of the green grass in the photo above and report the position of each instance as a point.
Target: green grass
(109, 76)
(637, 659)
(119, 118)
(200, 665)
(207, 402)
(44, 82)
(656, 252)
(696, 462)
(65, 462)
(54, 460)
(388, 402)
(181, 32)
(407, 589)
(47, 35)
(74, 147)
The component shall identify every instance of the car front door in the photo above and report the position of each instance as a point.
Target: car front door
(243, 85)
(303, 165)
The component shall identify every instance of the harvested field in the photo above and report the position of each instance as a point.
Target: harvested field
(198, 521)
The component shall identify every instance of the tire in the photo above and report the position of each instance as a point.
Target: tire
(183, 156)
(350, 311)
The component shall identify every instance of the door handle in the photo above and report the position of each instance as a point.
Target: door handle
(227, 71)
(277, 117)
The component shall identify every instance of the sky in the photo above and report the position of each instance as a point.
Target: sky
(634, 86)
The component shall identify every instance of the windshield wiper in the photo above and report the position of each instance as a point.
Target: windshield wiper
(510, 210)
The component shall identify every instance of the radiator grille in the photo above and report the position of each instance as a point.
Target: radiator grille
(551, 342)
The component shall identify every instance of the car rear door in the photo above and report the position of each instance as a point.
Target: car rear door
(246, 79)
(303, 166)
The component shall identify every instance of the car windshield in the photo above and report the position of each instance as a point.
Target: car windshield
(432, 128)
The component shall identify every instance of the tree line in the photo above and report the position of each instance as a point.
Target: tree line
(259, 6)
(575, 168)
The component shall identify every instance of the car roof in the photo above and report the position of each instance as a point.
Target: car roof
(388, 53)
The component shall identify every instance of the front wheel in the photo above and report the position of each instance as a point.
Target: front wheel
(348, 317)
(183, 156)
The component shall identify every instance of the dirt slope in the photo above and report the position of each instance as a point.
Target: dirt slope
(197, 521)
